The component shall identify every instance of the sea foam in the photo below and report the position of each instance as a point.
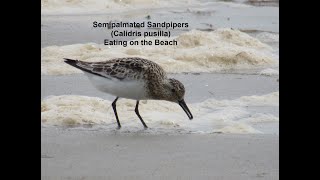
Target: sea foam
(210, 116)
(197, 51)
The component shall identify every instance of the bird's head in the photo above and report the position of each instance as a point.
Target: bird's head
(174, 92)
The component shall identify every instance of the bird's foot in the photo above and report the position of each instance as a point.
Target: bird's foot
(119, 127)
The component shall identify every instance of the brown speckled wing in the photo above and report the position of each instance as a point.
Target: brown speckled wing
(121, 68)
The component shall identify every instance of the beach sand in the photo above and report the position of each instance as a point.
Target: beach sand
(74, 154)
(93, 153)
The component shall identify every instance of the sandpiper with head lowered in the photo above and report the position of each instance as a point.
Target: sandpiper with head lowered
(133, 78)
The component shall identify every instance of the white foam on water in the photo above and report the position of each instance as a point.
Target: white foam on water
(267, 37)
(269, 72)
(271, 99)
(234, 5)
(210, 116)
(197, 51)
(261, 118)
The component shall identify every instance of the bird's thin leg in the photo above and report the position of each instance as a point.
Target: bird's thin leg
(138, 114)
(115, 112)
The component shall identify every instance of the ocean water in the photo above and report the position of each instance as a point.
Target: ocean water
(223, 37)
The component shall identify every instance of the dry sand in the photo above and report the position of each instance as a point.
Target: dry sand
(85, 154)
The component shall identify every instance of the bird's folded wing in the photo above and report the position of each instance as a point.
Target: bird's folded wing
(121, 71)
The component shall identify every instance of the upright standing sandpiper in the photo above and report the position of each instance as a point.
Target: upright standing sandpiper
(133, 78)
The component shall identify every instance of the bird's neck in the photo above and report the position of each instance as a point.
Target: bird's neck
(157, 89)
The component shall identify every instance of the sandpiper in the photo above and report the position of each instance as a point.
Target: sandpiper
(133, 78)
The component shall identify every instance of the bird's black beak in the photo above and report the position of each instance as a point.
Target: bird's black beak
(185, 108)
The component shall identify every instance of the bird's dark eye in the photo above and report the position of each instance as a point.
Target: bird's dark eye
(173, 90)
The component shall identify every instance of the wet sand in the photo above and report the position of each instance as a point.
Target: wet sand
(74, 154)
